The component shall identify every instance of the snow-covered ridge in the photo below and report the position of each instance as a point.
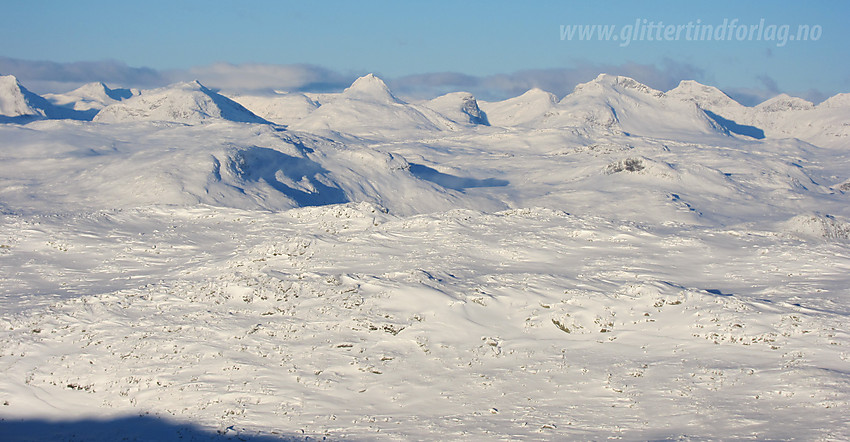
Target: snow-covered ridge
(837, 101)
(188, 102)
(283, 108)
(19, 105)
(690, 90)
(524, 110)
(826, 124)
(461, 107)
(617, 83)
(90, 96)
(621, 104)
(785, 102)
(368, 108)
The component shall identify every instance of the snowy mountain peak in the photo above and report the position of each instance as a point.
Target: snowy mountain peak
(696, 89)
(369, 80)
(784, 102)
(92, 88)
(371, 88)
(90, 96)
(840, 100)
(617, 84)
(187, 102)
(470, 107)
(459, 106)
(535, 94)
(16, 100)
(622, 104)
(705, 96)
(193, 85)
(18, 104)
(604, 78)
(7, 81)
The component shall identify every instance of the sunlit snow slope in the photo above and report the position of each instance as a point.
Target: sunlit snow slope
(620, 263)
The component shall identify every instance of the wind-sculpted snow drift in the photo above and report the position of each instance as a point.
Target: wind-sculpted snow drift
(619, 263)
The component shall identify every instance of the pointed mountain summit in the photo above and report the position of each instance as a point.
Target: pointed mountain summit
(370, 88)
(369, 109)
(17, 101)
(188, 102)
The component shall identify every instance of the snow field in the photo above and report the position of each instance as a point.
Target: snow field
(621, 263)
(338, 321)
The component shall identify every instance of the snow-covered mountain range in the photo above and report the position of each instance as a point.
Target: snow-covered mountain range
(621, 262)
(189, 102)
(91, 96)
(368, 106)
(19, 105)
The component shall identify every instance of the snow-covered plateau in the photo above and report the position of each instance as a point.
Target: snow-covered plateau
(620, 263)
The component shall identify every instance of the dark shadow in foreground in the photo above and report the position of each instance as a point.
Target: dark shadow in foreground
(133, 428)
(718, 292)
(451, 181)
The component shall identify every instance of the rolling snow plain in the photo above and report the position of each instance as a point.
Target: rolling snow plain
(621, 263)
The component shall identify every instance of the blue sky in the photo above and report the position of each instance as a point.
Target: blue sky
(496, 47)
